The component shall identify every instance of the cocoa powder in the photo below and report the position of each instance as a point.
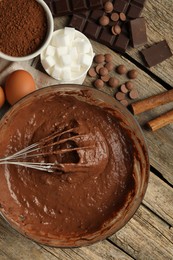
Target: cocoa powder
(23, 26)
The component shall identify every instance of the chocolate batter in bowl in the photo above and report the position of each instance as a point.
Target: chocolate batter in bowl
(102, 183)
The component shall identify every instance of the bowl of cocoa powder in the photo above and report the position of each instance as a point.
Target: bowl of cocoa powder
(26, 28)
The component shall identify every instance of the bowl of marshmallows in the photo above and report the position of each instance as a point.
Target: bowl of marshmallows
(68, 56)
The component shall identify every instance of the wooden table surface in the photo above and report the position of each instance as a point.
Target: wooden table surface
(149, 234)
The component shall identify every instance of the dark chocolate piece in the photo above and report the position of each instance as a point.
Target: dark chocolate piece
(138, 2)
(138, 32)
(156, 53)
(89, 24)
(121, 6)
(121, 43)
(134, 11)
(68, 7)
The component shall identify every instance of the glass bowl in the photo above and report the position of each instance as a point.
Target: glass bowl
(140, 162)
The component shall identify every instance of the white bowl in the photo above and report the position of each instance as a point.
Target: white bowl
(50, 28)
(79, 79)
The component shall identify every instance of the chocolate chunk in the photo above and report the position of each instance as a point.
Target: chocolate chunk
(67, 7)
(121, 43)
(106, 37)
(134, 11)
(138, 32)
(156, 53)
(96, 14)
(92, 30)
(121, 6)
(138, 2)
(77, 22)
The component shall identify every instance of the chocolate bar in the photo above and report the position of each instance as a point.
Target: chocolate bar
(138, 32)
(156, 53)
(68, 7)
(88, 23)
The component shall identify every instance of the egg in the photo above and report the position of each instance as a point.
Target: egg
(18, 84)
(2, 97)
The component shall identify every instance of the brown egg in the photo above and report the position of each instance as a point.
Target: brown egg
(2, 97)
(18, 84)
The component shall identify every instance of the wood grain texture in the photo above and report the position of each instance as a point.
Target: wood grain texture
(159, 198)
(15, 246)
(146, 237)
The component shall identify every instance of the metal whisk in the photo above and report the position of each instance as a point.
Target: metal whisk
(45, 147)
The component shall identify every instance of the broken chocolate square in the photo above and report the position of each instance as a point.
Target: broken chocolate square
(138, 32)
(156, 53)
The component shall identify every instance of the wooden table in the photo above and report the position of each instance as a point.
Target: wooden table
(149, 234)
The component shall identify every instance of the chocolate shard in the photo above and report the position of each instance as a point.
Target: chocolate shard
(138, 32)
(156, 53)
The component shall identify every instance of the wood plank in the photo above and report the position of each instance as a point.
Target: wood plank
(159, 27)
(146, 237)
(11, 241)
(99, 251)
(159, 198)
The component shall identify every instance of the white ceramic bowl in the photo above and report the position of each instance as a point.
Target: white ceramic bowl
(80, 77)
(50, 28)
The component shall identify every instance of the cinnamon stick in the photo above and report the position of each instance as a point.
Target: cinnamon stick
(152, 102)
(161, 121)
